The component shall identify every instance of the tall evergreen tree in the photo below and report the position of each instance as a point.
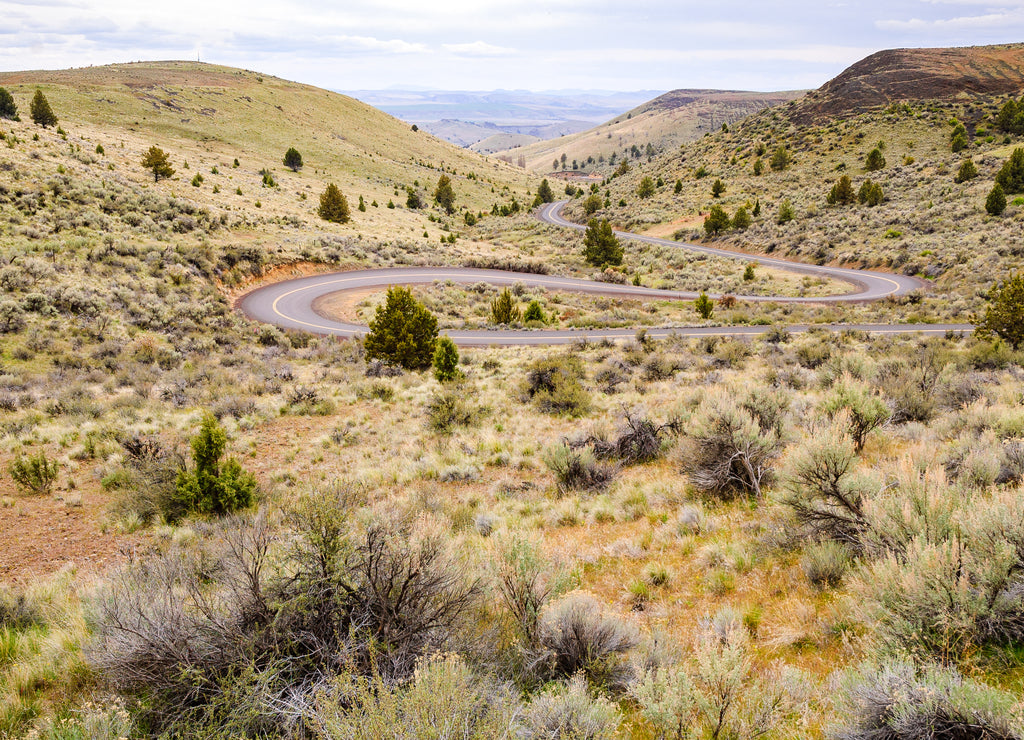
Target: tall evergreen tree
(1004, 315)
(444, 195)
(995, 203)
(601, 246)
(8, 108)
(42, 113)
(333, 205)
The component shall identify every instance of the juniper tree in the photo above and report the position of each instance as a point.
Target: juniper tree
(446, 360)
(875, 160)
(842, 192)
(716, 221)
(8, 109)
(444, 195)
(213, 487)
(741, 219)
(1004, 315)
(870, 194)
(42, 113)
(333, 205)
(995, 203)
(403, 332)
(504, 309)
(601, 247)
(292, 159)
(1011, 175)
(544, 193)
(779, 160)
(704, 306)
(967, 171)
(156, 161)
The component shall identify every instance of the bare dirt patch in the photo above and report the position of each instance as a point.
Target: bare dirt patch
(43, 534)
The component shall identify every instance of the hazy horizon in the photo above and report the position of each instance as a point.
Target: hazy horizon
(495, 44)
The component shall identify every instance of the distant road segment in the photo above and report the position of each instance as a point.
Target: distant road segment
(869, 285)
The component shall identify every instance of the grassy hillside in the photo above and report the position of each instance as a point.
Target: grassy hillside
(208, 116)
(664, 123)
(928, 224)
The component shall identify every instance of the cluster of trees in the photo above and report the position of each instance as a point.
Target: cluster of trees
(40, 110)
(333, 203)
(842, 193)
(718, 220)
(1011, 117)
(1009, 179)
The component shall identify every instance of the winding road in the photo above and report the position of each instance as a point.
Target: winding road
(291, 304)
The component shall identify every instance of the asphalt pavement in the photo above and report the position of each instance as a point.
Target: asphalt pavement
(291, 304)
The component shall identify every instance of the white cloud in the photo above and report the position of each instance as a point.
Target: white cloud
(478, 49)
(989, 21)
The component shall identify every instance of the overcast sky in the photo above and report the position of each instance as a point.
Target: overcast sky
(511, 44)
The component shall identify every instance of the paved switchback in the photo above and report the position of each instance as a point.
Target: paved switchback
(291, 304)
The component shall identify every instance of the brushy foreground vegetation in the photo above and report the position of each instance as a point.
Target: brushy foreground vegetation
(666, 539)
(815, 535)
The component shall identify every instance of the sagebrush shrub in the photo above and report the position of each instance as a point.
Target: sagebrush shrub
(34, 474)
(448, 409)
(822, 488)
(725, 449)
(577, 636)
(554, 386)
(903, 702)
(826, 563)
(865, 410)
(446, 698)
(570, 710)
(241, 627)
(575, 469)
(946, 579)
(716, 692)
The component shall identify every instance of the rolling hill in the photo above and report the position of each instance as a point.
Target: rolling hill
(664, 122)
(208, 116)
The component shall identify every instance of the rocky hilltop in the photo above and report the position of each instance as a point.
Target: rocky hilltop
(915, 74)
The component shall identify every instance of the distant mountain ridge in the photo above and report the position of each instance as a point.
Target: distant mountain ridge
(915, 74)
(468, 117)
